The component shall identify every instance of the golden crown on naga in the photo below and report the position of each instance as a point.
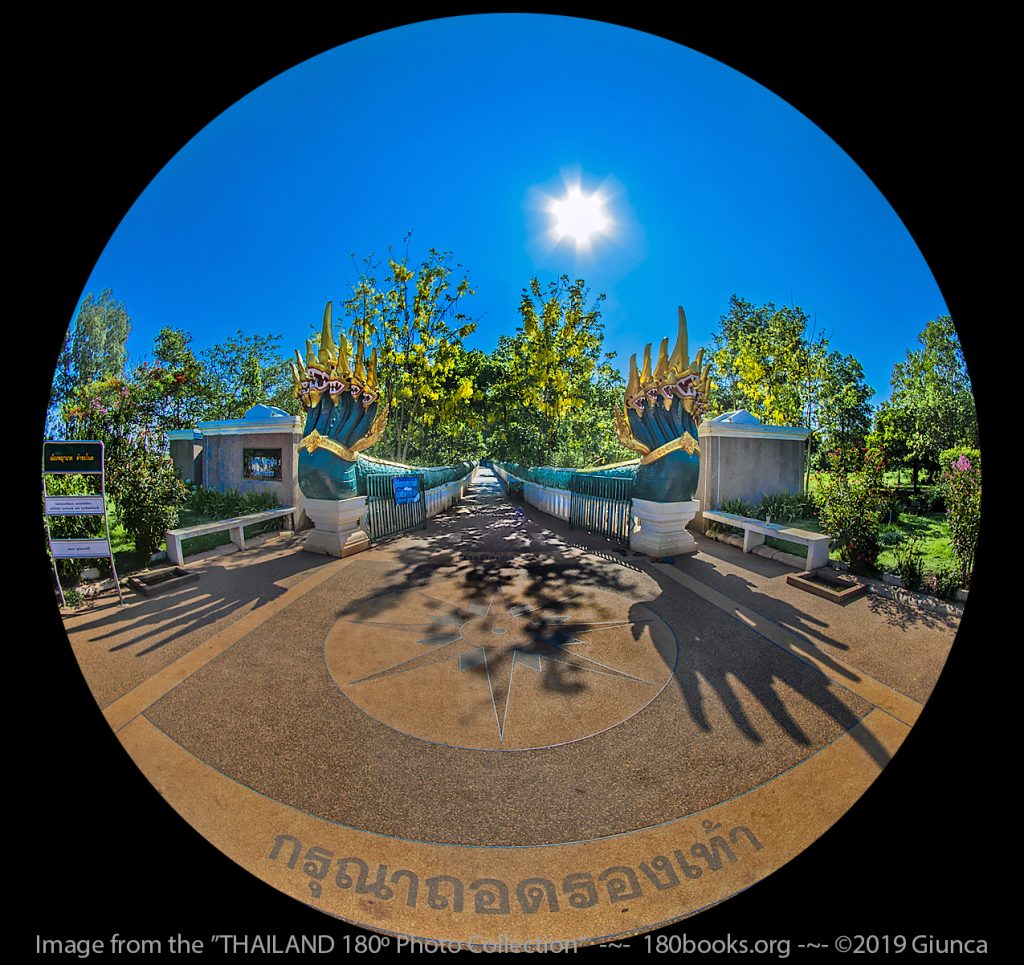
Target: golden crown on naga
(674, 377)
(327, 371)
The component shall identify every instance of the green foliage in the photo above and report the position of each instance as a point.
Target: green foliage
(949, 456)
(962, 478)
(413, 317)
(761, 360)
(74, 527)
(943, 583)
(73, 599)
(852, 505)
(243, 371)
(771, 362)
(550, 390)
(932, 404)
(95, 347)
(149, 493)
(909, 564)
(184, 392)
(890, 537)
(739, 507)
(840, 410)
(786, 507)
(211, 504)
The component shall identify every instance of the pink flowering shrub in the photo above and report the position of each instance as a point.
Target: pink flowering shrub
(962, 483)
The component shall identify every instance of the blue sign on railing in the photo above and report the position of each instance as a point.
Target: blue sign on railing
(407, 489)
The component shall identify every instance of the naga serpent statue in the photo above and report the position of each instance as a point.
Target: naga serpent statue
(659, 417)
(340, 394)
(343, 414)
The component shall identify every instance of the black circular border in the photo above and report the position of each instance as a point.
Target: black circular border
(905, 99)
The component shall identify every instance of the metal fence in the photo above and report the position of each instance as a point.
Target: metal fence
(602, 504)
(385, 517)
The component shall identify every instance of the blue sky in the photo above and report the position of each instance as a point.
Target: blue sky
(453, 128)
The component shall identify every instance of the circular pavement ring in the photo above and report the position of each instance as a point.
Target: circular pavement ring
(517, 673)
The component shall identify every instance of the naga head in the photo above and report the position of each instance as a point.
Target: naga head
(660, 412)
(330, 371)
(673, 377)
(340, 392)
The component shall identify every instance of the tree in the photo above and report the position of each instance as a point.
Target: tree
(551, 392)
(95, 347)
(932, 404)
(763, 361)
(187, 389)
(840, 410)
(247, 370)
(413, 319)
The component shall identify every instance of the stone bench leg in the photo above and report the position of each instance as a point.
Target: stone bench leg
(751, 539)
(817, 555)
(174, 553)
(238, 536)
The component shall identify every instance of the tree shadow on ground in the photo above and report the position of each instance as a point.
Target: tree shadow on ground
(490, 541)
(147, 624)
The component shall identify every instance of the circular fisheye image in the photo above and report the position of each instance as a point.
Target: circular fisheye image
(520, 525)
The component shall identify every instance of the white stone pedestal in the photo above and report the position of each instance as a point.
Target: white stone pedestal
(660, 528)
(339, 526)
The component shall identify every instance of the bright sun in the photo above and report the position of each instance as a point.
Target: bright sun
(579, 216)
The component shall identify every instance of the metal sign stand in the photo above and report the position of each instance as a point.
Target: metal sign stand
(68, 458)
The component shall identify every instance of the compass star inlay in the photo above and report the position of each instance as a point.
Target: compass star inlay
(503, 670)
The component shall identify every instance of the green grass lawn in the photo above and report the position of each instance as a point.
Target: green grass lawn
(931, 532)
(932, 535)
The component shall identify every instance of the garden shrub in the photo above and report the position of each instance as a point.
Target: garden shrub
(224, 505)
(909, 564)
(943, 583)
(148, 493)
(852, 505)
(787, 507)
(807, 505)
(738, 507)
(203, 501)
(781, 508)
(894, 505)
(962, 479)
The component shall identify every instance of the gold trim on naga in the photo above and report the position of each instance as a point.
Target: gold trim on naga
(316, 441)
(610, 465)
(686, 442)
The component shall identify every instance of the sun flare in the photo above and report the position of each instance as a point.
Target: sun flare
(579, 216)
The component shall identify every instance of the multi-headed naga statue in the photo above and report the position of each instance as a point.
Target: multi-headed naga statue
(343, 414)
(660, 413)
(340, 392)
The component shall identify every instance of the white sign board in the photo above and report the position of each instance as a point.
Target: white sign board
(74, 506)
(66, 549)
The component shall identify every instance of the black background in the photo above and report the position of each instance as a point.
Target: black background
(105, 103)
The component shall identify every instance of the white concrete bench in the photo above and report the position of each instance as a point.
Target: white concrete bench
(235, 528)
(755, 530)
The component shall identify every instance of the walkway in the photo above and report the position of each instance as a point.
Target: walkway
(498, 727)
